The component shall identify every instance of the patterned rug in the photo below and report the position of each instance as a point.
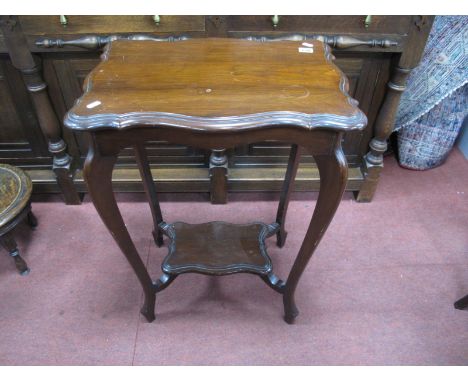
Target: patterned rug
(433, 107)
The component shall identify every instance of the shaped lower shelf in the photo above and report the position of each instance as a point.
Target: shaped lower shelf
(217, 248)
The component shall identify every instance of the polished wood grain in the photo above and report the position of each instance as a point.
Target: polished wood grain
(324, 145)
(215, 84)
(218, 248)
(215, 248)
(358, 46)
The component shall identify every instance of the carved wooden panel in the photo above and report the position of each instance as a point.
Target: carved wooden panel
(20, 135)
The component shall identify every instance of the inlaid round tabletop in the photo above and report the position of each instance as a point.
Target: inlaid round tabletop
(15, 192)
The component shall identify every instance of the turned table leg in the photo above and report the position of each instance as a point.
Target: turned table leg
(9, 243)
(150, 190)
(333, 175)
(288, 186)
(22, 59)
(373, 160)
(98, 175)
(415, 43)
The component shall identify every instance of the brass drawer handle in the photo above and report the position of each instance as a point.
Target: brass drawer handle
(63, 20)
(367, 21)
(275, 19)
(157, 19)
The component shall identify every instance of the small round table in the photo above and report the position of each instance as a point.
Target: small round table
(15, 206)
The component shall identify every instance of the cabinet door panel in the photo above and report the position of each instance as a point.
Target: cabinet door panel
(20, 135)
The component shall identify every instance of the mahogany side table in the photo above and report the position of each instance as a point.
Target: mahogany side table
(214, 94)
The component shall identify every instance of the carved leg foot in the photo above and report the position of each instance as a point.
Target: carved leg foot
(9, 243)
(20, 264)
(158, 238)
(32, 221)
(281, 238)
(290, 309)
(150, 298)
(147, 309)
(462, 303)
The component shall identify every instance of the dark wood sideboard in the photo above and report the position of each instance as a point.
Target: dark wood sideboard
(44, 60)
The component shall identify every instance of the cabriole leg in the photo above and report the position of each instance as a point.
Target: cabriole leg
(333, 175)
(98, 175)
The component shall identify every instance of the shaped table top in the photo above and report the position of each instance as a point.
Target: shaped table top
(215, 83)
